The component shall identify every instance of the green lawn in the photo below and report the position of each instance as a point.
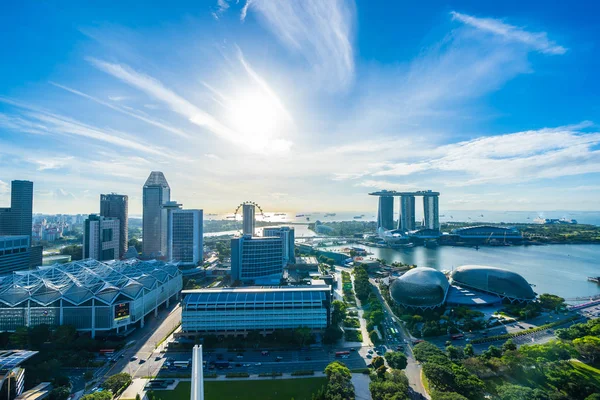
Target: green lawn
(276, 389)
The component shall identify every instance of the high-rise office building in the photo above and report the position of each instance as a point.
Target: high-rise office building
(185, 236)
(14, 253)
(287, 237)
(431, 212)
(249, 212)
(101, 238)
(116, 206)
(385, 214)
(17, 220)
(258, 259)
(407, 213)
(156, 193)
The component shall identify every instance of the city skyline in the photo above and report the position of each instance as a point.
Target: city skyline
(491, 104)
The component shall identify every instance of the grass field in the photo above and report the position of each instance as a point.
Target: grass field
(276, 389)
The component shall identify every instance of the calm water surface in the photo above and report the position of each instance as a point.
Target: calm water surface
(557, 269)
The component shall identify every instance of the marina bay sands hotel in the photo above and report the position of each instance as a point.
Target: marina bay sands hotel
(406, 222)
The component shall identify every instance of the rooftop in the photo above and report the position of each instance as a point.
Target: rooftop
(395, 193)
(156, 178)
(317, 285)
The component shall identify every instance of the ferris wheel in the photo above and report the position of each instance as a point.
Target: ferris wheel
(251, 203)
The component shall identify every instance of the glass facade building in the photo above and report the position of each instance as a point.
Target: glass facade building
(421, 288)
(90, 295)
(156, 193)
(257, 258)
(14, 253)
(287, 236)
(385, 213)
(185, 237)
(101, 238)
(241, 309)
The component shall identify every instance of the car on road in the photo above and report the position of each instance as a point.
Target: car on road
(133, 358)
(238, 365)
(142, 361)
(369, 356)
(264, 352)
(370, 351)
(157, 358)
(278, 358)
(352, 349)
(247, 365)
(258, 364)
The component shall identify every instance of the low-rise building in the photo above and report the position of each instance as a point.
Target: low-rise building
(238, 310)
(14, 253)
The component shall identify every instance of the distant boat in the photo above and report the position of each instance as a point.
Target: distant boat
(330, 215)
(299, 215)
(358, 216)
(307, 218)
(594, 279)
(278, 214)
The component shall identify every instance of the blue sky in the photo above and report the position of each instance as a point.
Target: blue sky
(304, 105)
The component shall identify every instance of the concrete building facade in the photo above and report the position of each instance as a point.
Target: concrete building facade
(101, 238)
(287, 236)
(14, 253)
(117, 206)
(185, 237)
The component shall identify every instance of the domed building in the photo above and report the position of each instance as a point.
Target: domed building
(502, 282)
(420, 288)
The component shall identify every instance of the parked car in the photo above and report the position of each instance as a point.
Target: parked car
(133, 358)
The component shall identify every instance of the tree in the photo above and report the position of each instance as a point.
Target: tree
(469, 352)
(588, 347)
(455, 353)
(396, 359)
(339, 312)
(339, 385)
(332, 334)
(303, 334)
(551, 301)
(388, 390)
(60, 393)
(377, 362)
(509, 345)
(492, 352)
(381, 372)
(516, 392)
(374, 337)
(103, 395)
(117, 382)
(88, 375)
(39, 335)
(424, 350)
(447, 396)
(376, 317)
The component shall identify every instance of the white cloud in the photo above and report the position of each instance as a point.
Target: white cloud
(386, 185)
(536, 40)
(318, 30)
(127, 111)
(52, 163)
(58, 124)
(509, 158)
(212, 156)
(3, 187)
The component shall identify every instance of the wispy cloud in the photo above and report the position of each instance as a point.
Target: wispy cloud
(3, 187)
(52, 163)
(185, 108)
(58, 124)
(537, 40)
(386, 185)
(129, 112)
(318, 30)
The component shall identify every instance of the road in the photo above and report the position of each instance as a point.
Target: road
(144, 342)
(413, 369)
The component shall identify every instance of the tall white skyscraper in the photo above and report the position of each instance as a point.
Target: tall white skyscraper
(156, 193)
(249, 213)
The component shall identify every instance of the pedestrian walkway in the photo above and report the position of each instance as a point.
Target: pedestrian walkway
(361, 386)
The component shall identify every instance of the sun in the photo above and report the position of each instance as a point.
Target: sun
(255, 115)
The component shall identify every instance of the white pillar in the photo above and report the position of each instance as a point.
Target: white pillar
(197, 392)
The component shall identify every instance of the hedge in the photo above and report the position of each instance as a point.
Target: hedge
(525, 332)
(263, 374)
(302, 373)
(237, 375)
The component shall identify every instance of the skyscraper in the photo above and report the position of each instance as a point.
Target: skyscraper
(156, 192)
(287, 236)
(14, 253)
(258, 259)
(17, 220)
(407, 213)
(116, 206)
(101, 238)
(431, 211)
(185, 236)
(248, 211)
(385, 214)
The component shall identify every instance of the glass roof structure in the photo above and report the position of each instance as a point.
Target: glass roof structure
(80, 281)
(502, 282)
(420, 287)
